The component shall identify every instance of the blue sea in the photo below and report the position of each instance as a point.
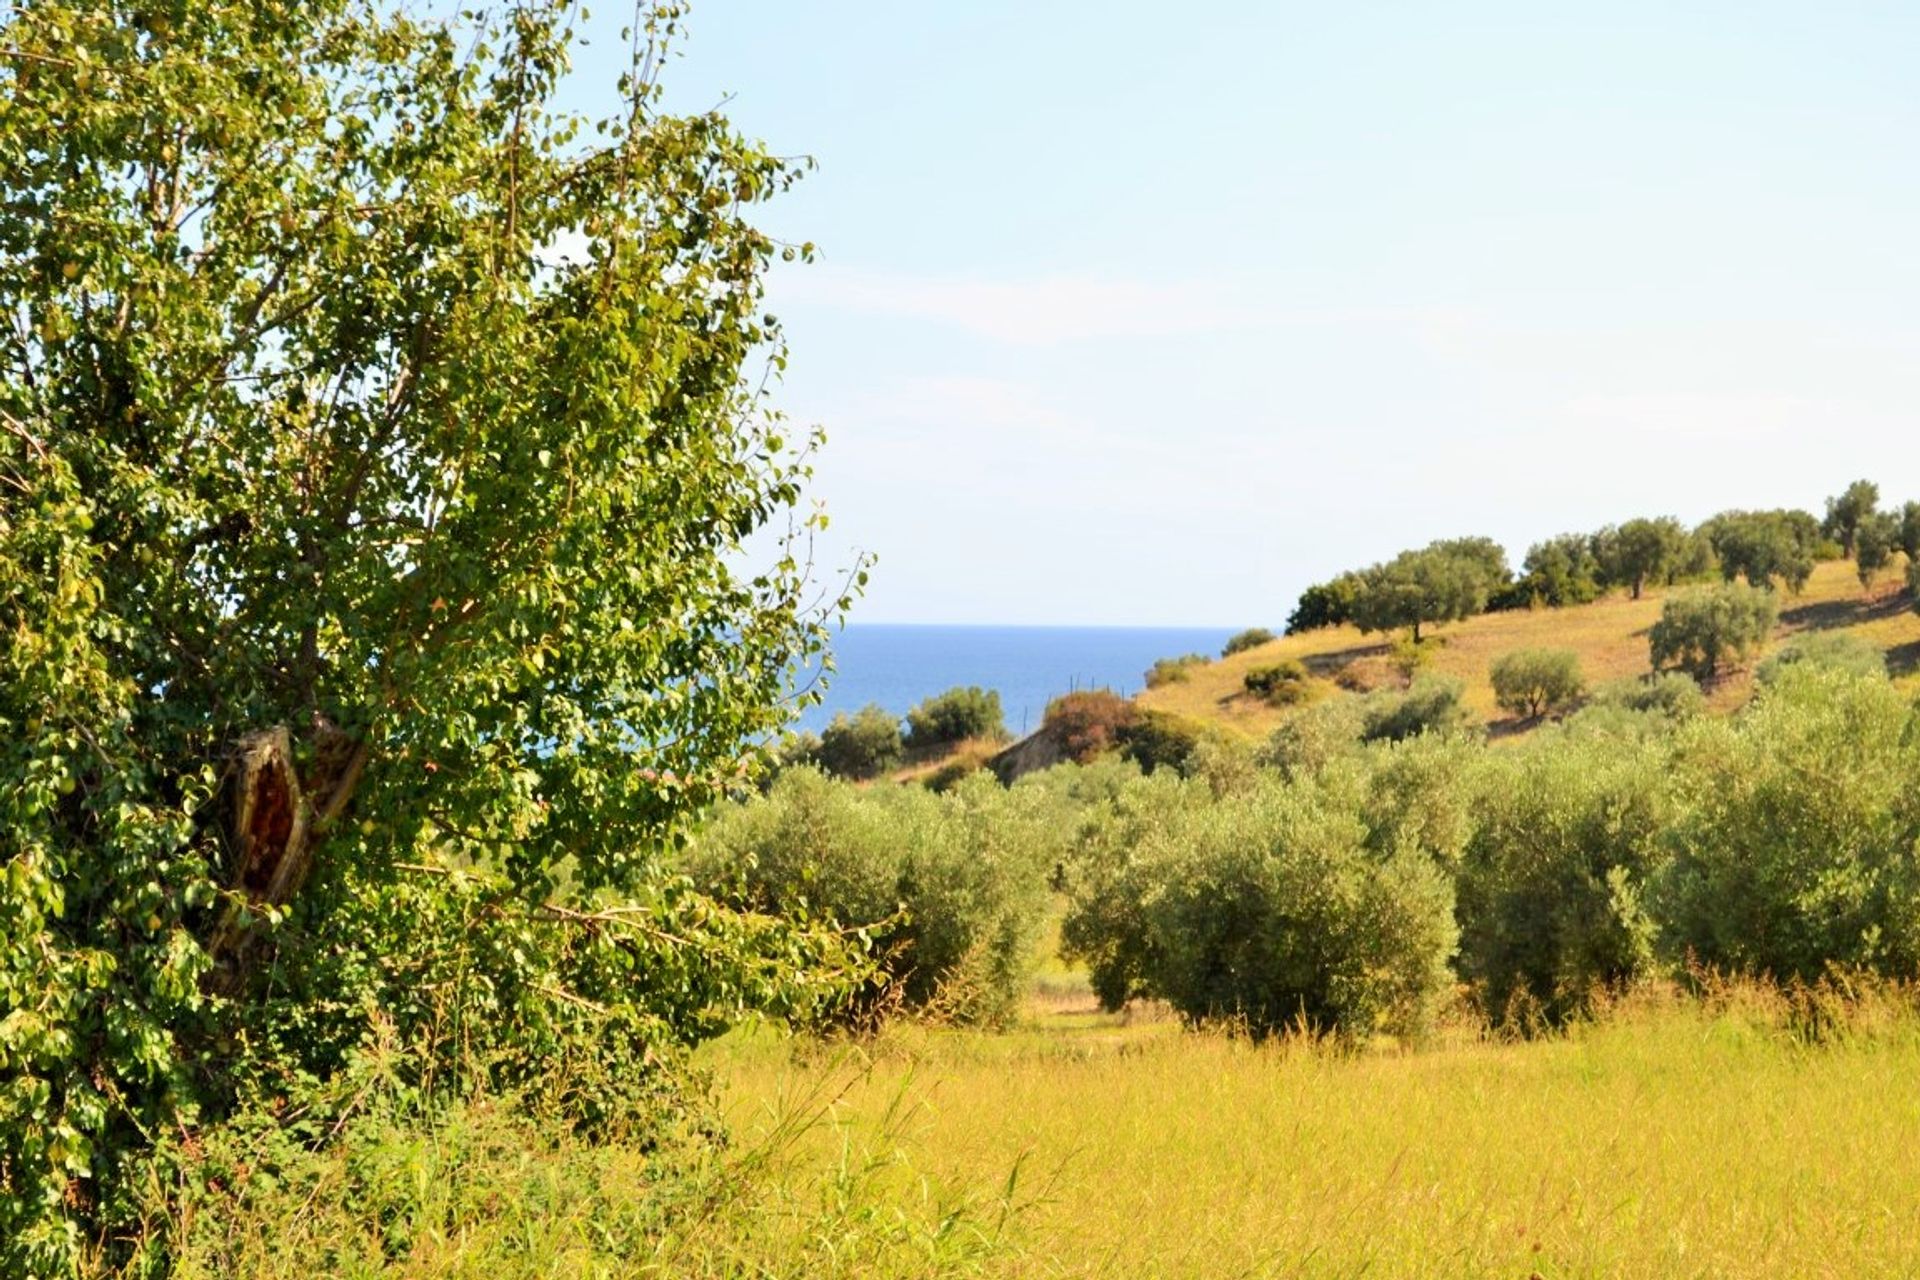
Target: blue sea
(897, 665)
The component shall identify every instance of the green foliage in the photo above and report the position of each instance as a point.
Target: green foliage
(1325, 604)
(863, 745)
(1314, 737)
(1910, 531)
(1174, 670)
(1839, 650)
(1251, 638)
(1532, 682)
(1158, 739)
(1561, 571)
(1848, 512)
(954, 716)
(1431, 705)
(1913, 583)
(1875, 538)
(1281, 683)
(1089, 722)
(1764, 546)
(1672, 695)
(1705, 631)
(331, 495)
(1445, 582)
(1798, 828)
(1567, 836)
(950, 887)
(1642, 551)
(1268, 908)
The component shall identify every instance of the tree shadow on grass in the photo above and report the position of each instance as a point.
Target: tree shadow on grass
(1826, 615)
(1904, 659)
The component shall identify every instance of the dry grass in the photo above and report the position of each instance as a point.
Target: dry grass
(1610, 636)
(1672, 1140)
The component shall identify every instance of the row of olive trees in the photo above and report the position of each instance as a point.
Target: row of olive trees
(1453, 579)
(1346, 887)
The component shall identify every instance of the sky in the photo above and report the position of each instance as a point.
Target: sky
(1151, 314)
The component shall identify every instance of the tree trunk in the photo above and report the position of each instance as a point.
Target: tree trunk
(274, 821)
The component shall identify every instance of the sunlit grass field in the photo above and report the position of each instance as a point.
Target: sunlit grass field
(1610, 636)
(1670, 1139)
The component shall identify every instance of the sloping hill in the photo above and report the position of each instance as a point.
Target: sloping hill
(1609, 635)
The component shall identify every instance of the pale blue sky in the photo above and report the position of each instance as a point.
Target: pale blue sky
(1149, 313)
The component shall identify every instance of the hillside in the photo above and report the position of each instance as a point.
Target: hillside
(1610, 636)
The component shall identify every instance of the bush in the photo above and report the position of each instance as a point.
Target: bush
(1174, 670)
(1431, 705)
(1705, 632)
(1267, 908)
(1798, 829)
(1088, 722)
(1837, 650)
(863, 745)
(954, 716)
(1671, 694)
(1567, 837)
(1156, 739)
(1281, 683)
(1251, 638)
(1327, 604)
(951, 887)
(1532, 682)
(1313, 738)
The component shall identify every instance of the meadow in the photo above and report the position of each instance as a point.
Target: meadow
(1665, 1138)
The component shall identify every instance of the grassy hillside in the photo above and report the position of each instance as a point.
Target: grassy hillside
(1610, 636)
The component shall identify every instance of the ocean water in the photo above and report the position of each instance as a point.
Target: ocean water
(897, 665)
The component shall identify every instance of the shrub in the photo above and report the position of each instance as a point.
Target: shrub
(1532, 682)
(1157, 739)
(1552, 889)
(1410, 656)
(1267, 908)
(1704, 632)
(954, 716)
(951, 887)
(1281, 683)
(1799, 823)
(1838, 650)
(863, 745)
(1174, 670)
(1431, 705)
(1312, 738)
(1671, 694)
(1251, 638)
(1088, 722)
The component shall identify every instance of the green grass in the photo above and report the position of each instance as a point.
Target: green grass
(1609, 635)
(1670, 1140)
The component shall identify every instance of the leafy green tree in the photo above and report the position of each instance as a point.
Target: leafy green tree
(953, 716)
(1762, 546)
(1705, 631)
(1532, 682)
(1874, 542)
(1641, 551)
(1325, 604)
(1910, 530)
(862, 745)
(1251, 638)
(1444, 582)
(1561, 571)
(378, 447)
(1846, 513)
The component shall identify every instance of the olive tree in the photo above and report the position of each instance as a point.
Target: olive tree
(1641, 551)
(1706, 631)
(1443, 582)
(1532, 682)
(380, 448)
(1848, 512)
(1874, 542)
